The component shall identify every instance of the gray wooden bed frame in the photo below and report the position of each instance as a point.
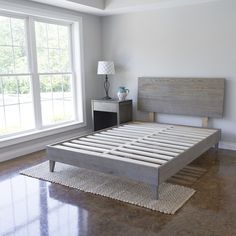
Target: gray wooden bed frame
(146, 151)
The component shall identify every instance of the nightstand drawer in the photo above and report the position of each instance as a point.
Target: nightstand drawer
(109, 107)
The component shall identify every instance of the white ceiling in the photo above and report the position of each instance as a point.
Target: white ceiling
(108, 7)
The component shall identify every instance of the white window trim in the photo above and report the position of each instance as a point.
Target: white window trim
(19, 11)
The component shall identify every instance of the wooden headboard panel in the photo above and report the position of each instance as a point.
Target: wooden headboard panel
(203, 97)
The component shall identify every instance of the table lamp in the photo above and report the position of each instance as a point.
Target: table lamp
(106, 68)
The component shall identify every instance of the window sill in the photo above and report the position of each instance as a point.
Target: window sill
(4, 142)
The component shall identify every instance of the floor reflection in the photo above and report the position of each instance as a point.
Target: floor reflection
(32, 207)
(26, 208)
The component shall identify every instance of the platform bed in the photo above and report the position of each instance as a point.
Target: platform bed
(144, 151)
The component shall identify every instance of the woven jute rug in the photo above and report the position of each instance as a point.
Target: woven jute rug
(171, 196)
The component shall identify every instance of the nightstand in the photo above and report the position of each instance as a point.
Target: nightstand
(107, 113)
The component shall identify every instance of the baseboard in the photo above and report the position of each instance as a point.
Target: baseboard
(228, 145)
(35, 145)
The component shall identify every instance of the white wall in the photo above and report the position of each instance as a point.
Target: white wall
(196, 41)
(93, 86)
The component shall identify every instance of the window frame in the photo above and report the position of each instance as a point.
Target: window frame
(77, 73)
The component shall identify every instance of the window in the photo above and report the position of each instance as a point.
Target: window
(37, 79)
(55, 74)
(16, 104)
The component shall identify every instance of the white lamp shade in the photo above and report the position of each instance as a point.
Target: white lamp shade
(106, 68)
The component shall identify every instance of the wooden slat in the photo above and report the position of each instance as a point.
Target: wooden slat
(164, 144)
(158, 147)
(150, 124)
(119, 135)
(84, 147)
(107, 139)
(173, 138)
(190, 137)
(147, 127)
(114, 144)
(193, 130)
(137, 157)
(169, 142)
(111, 137)
(124, 133)
(131, 130)
(92, 144)
(174, 154)
(142, 127)
(197, 135)
(144, 153)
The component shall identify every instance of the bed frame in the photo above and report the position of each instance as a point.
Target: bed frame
(150, 152)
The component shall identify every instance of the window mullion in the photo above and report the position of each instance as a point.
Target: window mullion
(34, 71)
(73, 61)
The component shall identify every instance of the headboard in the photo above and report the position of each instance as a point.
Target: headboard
(203, 97)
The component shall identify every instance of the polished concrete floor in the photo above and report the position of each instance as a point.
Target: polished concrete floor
(32, 207)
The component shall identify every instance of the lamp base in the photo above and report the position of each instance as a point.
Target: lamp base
(107, 98)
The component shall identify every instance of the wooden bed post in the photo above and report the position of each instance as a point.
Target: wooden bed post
(152, 116)
(51, 165)
(205, 122)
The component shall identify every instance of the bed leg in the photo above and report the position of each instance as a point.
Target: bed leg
(51, 165)
(216, 147)
(155, 192)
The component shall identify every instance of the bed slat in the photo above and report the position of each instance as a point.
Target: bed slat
(93, 144)
(84, 147)
(164, 144)
(169, 141)
(144, 153)
(137, 157)
(150, 150)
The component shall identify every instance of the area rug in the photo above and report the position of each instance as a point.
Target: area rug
(171, 196)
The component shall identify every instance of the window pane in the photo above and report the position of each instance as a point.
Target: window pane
(63, 37)
(27, 116)
(25, 95)
(5, 32)
(10, 89)
(56, 99)
(2, 120)
(64, 60)
(53, 40)
(1, 92)
(12, 118)
(54, 60)
(43, 60)
(6, 60)
(20, 60)
(13, 56)
(17, 105)
(18, 32)
(53, 51)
